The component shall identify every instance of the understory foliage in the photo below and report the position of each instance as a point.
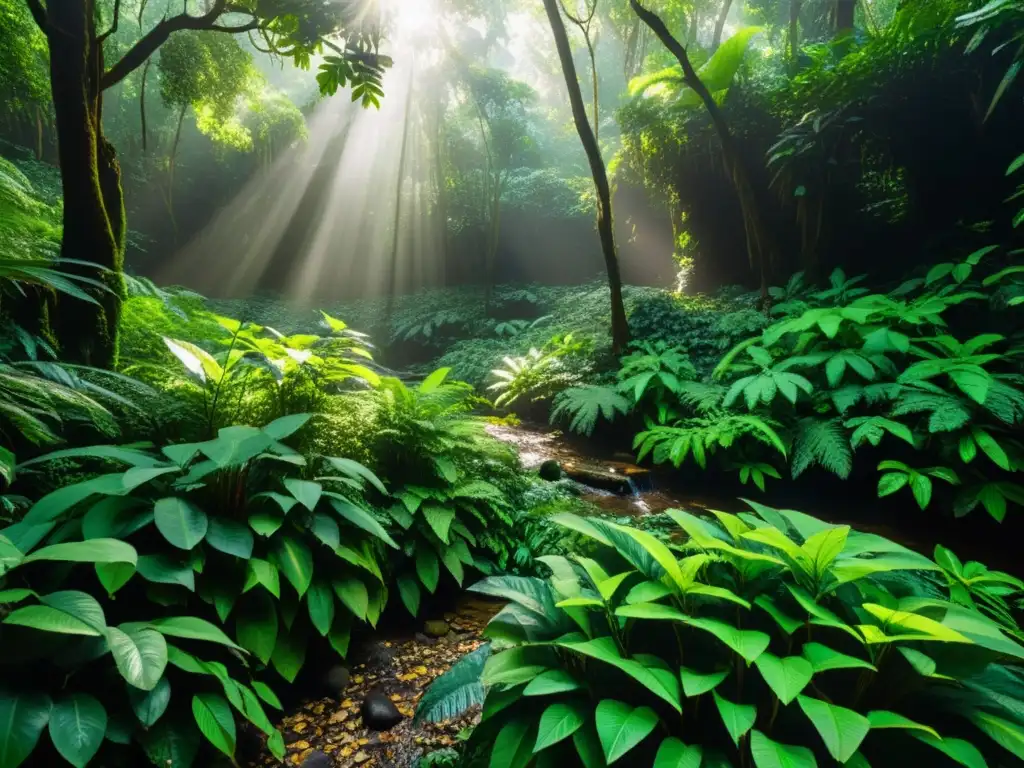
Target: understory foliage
(767, 638)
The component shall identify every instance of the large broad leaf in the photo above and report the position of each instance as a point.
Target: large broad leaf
(295, 561)
(357, 471)
(163, 569)
(427, 568)
(675, 754)
(149, 706)
(256, 625)
(841, 729)
(1007, 734)
(439, 519)
(68, 613)
(353, 594)
(306, 492)
(559, 721)
(181, 522)
(92, 551)
(24, 716)
(290, 652)
(78, 723)
(551, 682)
(320, 602)
(748, 643)
(738, 718)
(786, 677)
(230, 537)
(958, 750)
(192, 628)
(620, 727)
(823, 658)
(140, 655)
(513, 747)
(215, 720)
(409, 591)
(458, 689)
(603, 649)
(697, 683)
(286, 426)
(360, 518)
(771, 754)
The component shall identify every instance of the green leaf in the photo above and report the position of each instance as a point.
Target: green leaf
(883, 719)
(455, 691)
(588, 747)
(163, 569)
(264, 692)
(182, 523)
(353, 595)
(991, 448)
(286, 426)
(48, 619)
(823, 658)
(140, 655)
(1007, 734)
(434, 380)
(771, 754)
(24, 716)
(78, 723)
(603, 649)
(149, 706)
(294, 560)
(290, 652)
(409, 591)
(92, 551)
(697, 683)
(306, 492)
(230, 537)
(267, 523)
(746, 642)
(559, 721)
(265, 574)
(326, 529)
(786, 623)
(675, 754)
(620, 727)
(355, 470)
(362, 519)
(738, 718)
(787, 677)
(320, 602)
(215, 720)
(512, 747)
(550, 682)
(341, 633)
(962, 752)
(841, 729)
(192, 628)
(256, 625)
(439, 519)
(427, 568)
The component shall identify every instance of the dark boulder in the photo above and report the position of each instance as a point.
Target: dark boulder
(436, 628)
(336, 680)
(379, 712)
(550, 470)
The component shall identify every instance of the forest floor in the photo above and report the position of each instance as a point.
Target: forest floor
(401, 668)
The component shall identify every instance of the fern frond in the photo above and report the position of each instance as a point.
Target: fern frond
(823, 443)
(703, 398)
(586, 404)
(946, 413)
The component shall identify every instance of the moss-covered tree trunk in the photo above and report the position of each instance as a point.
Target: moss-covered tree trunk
(605, 227)
(94, 220)
(845, 10)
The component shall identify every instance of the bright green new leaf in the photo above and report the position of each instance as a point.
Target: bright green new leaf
(787, 677)
(620, 727)
(559, 721)
(841, 729)
(771, 754)
(213, 715)
(675, 754)
(738, 718)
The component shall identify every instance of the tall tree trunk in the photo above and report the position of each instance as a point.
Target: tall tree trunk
(845, 10)
(720, 25)
(794, 33)
(620, 326)
(392, 277)
(759, 248)
(94, 220)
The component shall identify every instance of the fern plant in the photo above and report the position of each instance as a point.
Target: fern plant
(538, 375)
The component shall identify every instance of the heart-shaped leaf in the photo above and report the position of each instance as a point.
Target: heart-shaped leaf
(620, 727)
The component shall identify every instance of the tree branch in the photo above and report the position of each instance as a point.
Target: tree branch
(247, 27)
(113, 25)
(38, 13)
(157, 36)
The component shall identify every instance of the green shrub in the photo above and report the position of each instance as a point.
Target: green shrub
(761, 639)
